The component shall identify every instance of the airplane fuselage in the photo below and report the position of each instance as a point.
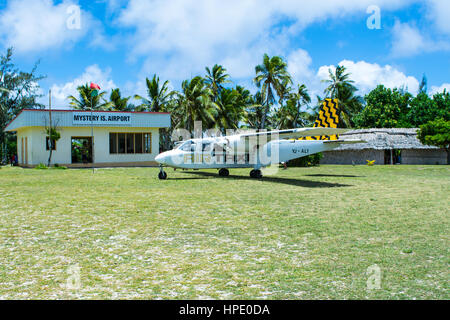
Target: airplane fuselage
(241, 156)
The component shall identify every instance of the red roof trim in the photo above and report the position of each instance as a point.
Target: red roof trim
(61, 110)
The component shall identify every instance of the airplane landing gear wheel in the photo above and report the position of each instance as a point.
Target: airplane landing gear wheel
(224, 172)
(257, 174)
(162, 175)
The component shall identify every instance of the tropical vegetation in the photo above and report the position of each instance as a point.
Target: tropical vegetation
(276, 101)
(436, 133)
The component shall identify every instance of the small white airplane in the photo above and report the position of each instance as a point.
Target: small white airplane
(257, 150)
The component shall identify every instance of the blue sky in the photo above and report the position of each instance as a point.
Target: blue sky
(118, 43)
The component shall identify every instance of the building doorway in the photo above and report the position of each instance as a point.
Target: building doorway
(392, 156)
(82, 150)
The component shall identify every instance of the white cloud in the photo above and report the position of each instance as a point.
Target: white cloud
(178, 37)
(35, 25)
(409, 41)
(93, 73)
(435, 89)
(368, 75)
(299, 65)
(439, 13)
(301, 70)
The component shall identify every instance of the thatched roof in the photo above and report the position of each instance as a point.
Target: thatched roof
(382, 139)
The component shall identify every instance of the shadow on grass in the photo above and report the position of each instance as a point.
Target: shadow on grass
(333, 175)
(292, 182)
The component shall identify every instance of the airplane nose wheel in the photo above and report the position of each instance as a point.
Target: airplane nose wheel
(162, 175)
(257, 174)
(224, 172)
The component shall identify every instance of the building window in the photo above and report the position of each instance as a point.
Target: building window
(138, 143)
(147, 143)
(48, 144)
(113, 143)
(121, 142)
(130, 143)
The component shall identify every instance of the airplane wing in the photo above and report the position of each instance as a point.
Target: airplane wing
(348, 141)
(294, 133)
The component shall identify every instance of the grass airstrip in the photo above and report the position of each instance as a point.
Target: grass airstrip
(329, 232)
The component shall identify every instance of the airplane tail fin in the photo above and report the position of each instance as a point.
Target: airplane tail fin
(328, 118)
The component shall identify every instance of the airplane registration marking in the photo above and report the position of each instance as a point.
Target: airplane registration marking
(300, 150)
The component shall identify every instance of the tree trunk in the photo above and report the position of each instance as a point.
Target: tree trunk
(3, 149)
(263, 119)
(50, 155)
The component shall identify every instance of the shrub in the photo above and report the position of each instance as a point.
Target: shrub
(308, 161)
(59, 167)
(41, 166)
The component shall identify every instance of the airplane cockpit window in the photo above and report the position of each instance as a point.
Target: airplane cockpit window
(178, 144)
(191, 146)
(186, 146)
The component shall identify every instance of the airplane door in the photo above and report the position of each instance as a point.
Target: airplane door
(207, 153)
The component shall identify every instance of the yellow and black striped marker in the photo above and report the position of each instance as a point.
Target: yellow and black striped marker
(328, 118)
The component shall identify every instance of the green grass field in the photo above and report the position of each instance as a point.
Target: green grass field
(305, 233)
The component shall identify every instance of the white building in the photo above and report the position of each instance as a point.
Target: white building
(108, 138)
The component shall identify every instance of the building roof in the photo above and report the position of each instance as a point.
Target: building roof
(383, 138)
(82, 118)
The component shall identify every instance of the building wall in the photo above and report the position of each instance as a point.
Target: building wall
(24, 142)
(408, 156)
(424, 156)
(37, 152)
(353, 156)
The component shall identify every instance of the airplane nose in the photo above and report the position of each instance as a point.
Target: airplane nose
(160, 158)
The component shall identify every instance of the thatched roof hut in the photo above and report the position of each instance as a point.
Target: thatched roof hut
(385, 146)
(384, 139)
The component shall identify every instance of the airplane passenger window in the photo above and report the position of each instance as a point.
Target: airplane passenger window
(219, 148)
(207, 146)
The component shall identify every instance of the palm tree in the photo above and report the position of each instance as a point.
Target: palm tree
(340, 87)
(299, 98)
(87, 101)
(254, 111)
(272, 78)
(195, 104)
(286, 116)
(349, 105)
(215, 79)
(338, 80)
(230, 107)
(117, 103)
(158, 96)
